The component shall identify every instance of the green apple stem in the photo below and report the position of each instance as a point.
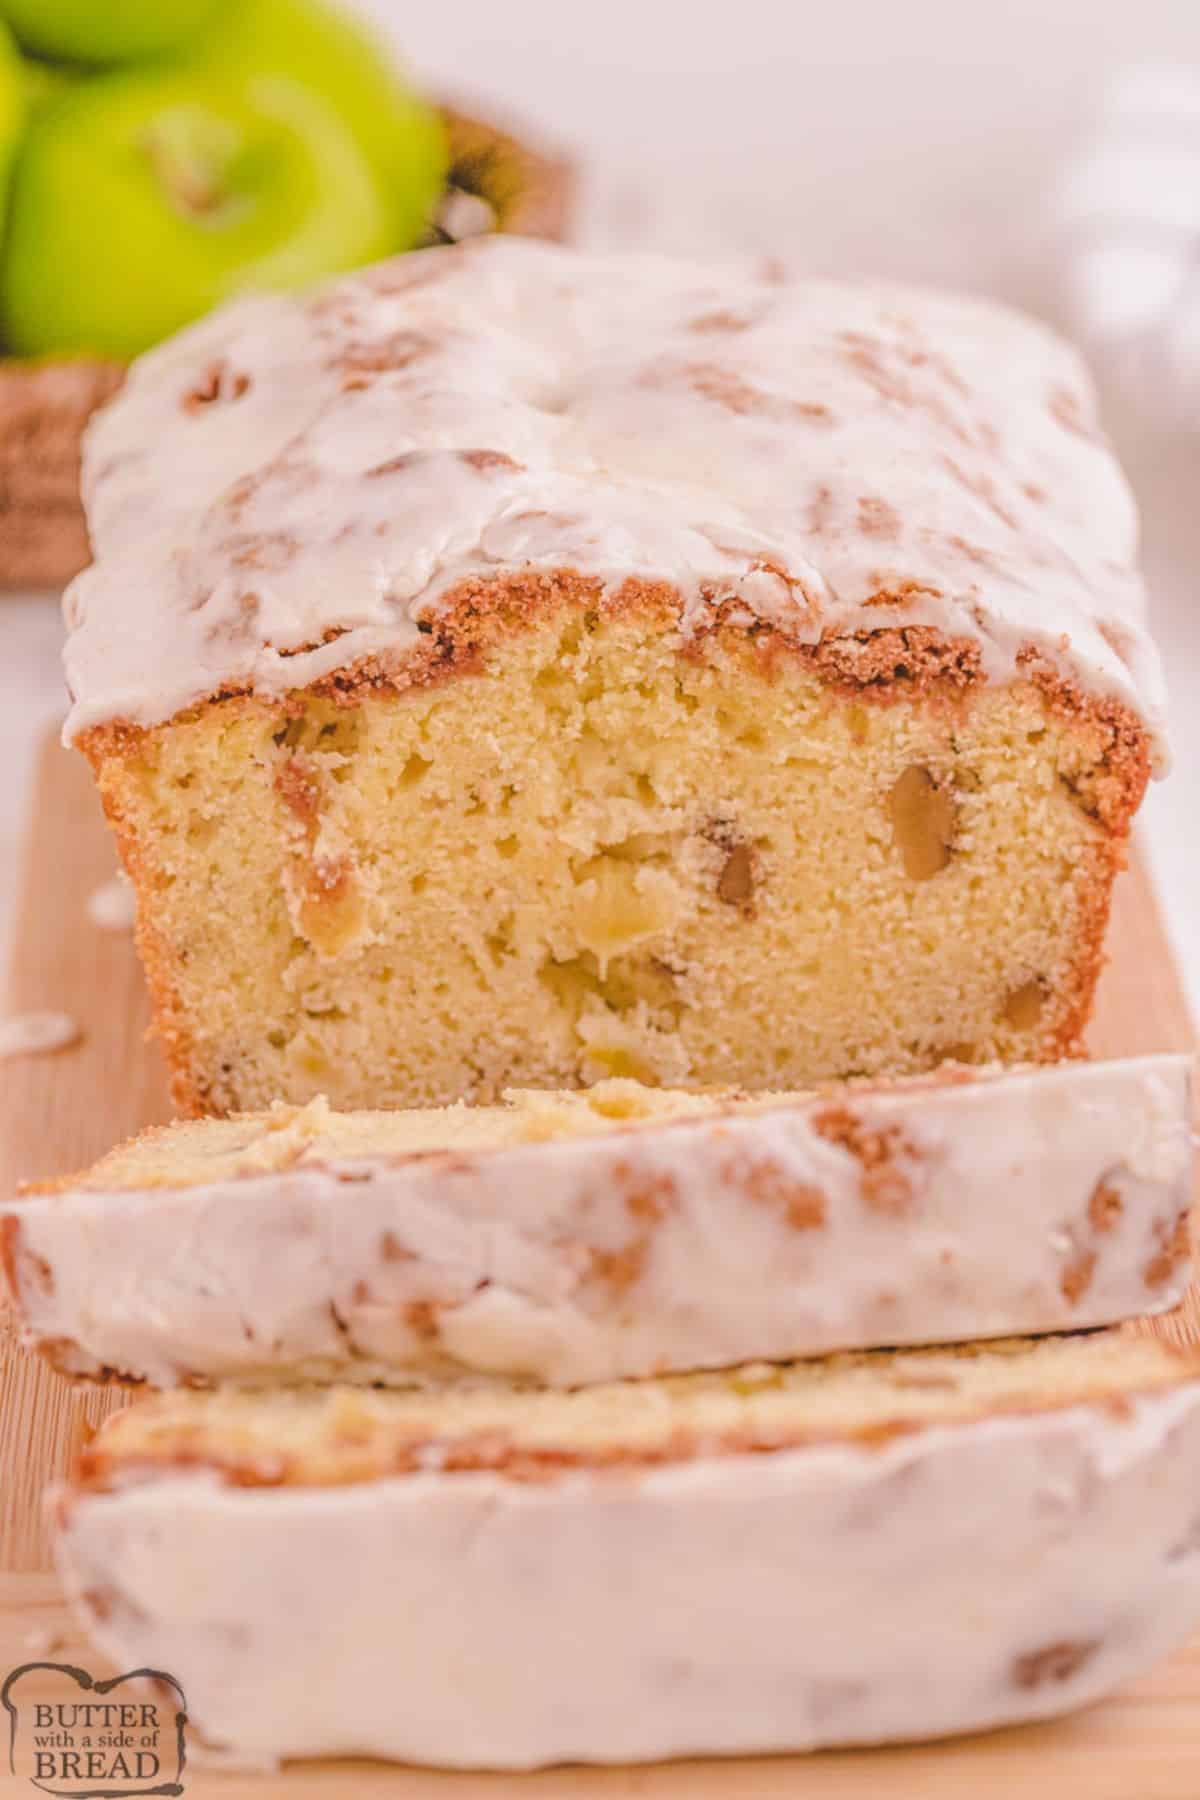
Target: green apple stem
(191, 151)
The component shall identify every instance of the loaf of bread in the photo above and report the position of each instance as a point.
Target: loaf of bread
(569, 1238)
(888, 1546)
(511, 665)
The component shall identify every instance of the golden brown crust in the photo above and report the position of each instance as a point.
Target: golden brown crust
(1124, 747)
(888, 666)
(188, 1091)
(1065, 1026)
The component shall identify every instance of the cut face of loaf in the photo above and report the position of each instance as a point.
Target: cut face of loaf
(511, 666)
(588, 854)
(570, 1238)
(878, 1547)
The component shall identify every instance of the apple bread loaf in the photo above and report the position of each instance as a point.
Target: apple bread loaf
(567, 1238)
(509, 665)
(888, 1546)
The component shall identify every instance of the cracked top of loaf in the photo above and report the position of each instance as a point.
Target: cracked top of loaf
(297, 485)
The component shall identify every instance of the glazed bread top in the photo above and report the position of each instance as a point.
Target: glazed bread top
(298, 486)
(575, 1238)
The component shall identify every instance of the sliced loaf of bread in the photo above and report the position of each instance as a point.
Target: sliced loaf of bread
(876, 1547)
(570, 1238)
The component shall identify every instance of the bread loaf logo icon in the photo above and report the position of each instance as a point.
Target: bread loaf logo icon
(76, 1738)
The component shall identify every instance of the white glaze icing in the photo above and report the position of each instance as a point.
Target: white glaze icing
(692, 1244)
(36, 1034)
(112, 906)
(293, 468)
(959, 1577)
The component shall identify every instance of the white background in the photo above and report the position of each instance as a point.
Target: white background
(915, 138)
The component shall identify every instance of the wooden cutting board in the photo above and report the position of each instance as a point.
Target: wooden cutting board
(59, 1112)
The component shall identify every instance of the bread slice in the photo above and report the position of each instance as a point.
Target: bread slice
(510, 665)
(569, 1238)
(877, 1547)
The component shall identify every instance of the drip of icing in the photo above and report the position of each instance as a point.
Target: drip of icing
(36, 1034)
(112, 906)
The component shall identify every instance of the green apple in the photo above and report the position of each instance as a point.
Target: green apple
(140, 200)
(43, 80)
(13, 106)
(337, 56)
(106, 31)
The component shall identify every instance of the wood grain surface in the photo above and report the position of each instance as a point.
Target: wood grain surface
(59, 1112)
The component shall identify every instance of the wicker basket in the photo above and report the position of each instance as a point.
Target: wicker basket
(496, 182)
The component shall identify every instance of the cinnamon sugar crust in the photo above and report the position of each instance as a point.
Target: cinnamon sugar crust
(884, 666)
(887, 666)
